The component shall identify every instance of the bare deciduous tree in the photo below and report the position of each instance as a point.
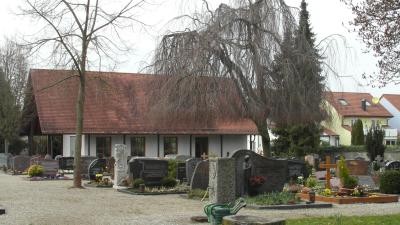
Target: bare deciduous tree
(14, 63)
(235, 46)
(378, 24)
(81, 34)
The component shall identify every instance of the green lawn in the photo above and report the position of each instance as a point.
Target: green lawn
(346, 220)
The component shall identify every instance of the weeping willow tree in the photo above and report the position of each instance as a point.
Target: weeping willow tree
(224, 62)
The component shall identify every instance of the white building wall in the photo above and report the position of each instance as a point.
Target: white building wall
(394, 122)
(67, 144)
(231, 143)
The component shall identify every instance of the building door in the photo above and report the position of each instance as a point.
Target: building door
(201, 146)
(103, 147)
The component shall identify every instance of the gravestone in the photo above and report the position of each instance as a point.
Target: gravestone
(190, 166)
(50, 167)
(392, 165)
(320, 175)
(297, 168)
(4, 159)
(151, 170)
(96, 166)
(357, 167)
(181, 172)
(121, 165)
(34, 159)
(20, 163)
(66, 163)
(85, 162)
(200, 176)
(222, 180)
(367, 180)
(275, 171)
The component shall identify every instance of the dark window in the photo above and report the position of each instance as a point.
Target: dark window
(103, 146)
(138, 146)
(201, 146)
(388, 142)
(170, 145)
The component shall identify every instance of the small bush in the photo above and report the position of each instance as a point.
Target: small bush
(168, 182)
(35, 171)
(172, 167)
(347, 180)
(137, 182)
(311, 182)
(390, 182)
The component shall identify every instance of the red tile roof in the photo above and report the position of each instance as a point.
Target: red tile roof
(353, 107)
(393, 99)
(116, 103)
(329, 132)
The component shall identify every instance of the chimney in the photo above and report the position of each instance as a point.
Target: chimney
(364, 104)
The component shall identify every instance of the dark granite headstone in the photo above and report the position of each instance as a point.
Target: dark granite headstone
(190, 166)
(200, 176)
(181, 171)
(50, 167)
(20, 163)
(85, 162)
(96, 166)
(276, 171)
(66, 163)
(151, 170)
(297, 168)
(393, 165)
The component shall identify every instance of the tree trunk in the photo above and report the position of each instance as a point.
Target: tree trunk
(79, 130)
(263, 131)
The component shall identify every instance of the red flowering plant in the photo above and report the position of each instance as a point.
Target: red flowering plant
(256, 181)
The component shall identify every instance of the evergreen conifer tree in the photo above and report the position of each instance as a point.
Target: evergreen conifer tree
(300, 53)
(357, 133)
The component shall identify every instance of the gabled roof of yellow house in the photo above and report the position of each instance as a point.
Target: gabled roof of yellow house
(350, 104)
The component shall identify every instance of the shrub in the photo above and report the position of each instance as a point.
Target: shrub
(347, 180)
(374, 143)
(168, 182)
(137, 182)
(35, 171)
(311, 182)
(172, 167)
(390, 182)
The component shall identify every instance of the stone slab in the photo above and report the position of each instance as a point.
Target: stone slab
(293, 206)
(200, 176)
(222, 180)
(251, 220)
(367, 180)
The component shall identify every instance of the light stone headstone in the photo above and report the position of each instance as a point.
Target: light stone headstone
(121, 164)
(4, 158)
(190, 166)
(222, 179)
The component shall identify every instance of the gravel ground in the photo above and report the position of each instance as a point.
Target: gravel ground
(53, 202)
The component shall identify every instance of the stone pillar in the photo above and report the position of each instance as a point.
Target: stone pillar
(121, 164)
(222, 180)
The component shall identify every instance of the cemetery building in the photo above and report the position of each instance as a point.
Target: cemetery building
(347, 107)
(116, 112)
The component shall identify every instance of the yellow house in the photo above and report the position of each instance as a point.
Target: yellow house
(346, 107)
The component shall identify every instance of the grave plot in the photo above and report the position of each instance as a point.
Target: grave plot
(346, 189)
(153, 176)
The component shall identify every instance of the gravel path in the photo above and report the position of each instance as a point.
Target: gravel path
(53, 202)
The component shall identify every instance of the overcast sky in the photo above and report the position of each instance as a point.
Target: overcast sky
(328, 17)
